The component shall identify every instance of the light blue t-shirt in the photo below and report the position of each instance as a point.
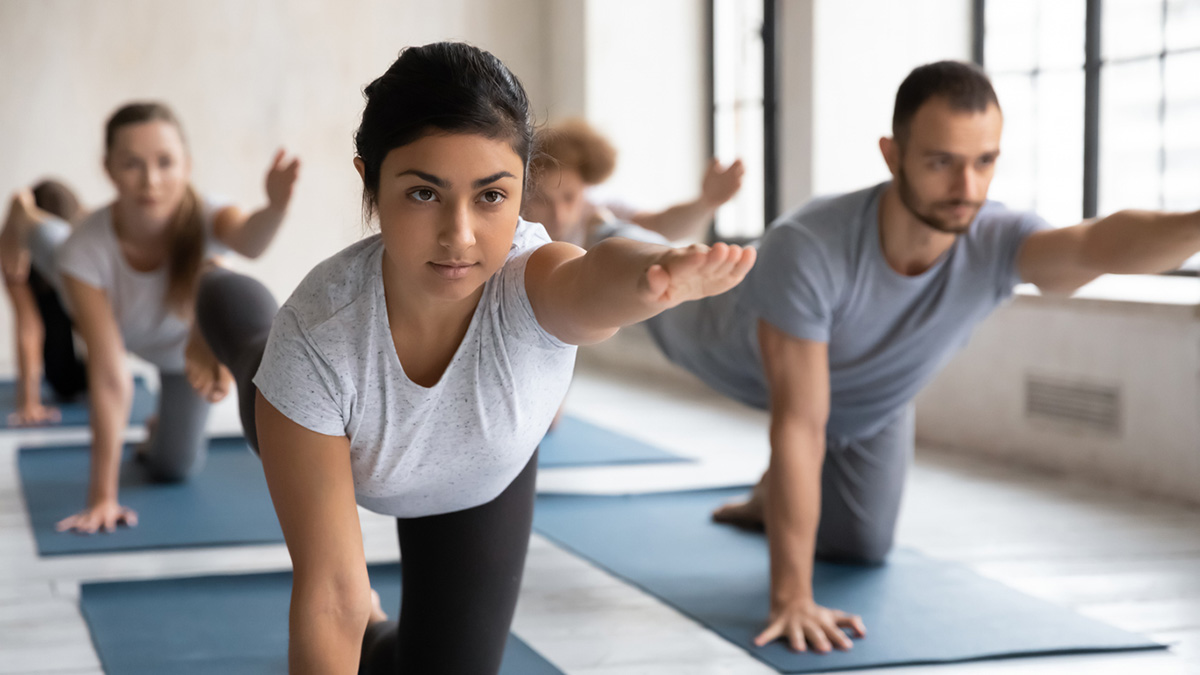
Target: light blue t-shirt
(821, 276)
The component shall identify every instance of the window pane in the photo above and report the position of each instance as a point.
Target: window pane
(1183, 24)
(1131, 28)
(1058, 191)
(738, 110)
(1181, 132)
(1009, 41)
(1061, 27)
(1014, 181)
(1130, 136)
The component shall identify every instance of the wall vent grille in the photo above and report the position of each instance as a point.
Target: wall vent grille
(1080, 404)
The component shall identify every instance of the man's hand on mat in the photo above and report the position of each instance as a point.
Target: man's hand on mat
(34, 414)
(696, 271)
(103, 517)
(211, 380)
(806, 623)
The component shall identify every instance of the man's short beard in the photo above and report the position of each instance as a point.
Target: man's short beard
(904, 190)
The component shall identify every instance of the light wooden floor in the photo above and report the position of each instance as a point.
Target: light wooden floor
(1131, 562)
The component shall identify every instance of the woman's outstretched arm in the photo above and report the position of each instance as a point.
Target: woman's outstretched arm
(584, 298)
(251, 235)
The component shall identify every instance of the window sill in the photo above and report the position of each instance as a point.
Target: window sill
(1164, 295)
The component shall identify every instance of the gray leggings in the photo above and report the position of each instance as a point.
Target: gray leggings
(177, 446)
(861, 486)
(234, 314)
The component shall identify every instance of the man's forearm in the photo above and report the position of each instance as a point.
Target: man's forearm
(1141, 242)
(793, 507)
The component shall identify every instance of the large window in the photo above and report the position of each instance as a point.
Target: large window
(1101, 102)
(743, 95)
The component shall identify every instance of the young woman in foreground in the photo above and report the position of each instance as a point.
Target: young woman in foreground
(417, 370)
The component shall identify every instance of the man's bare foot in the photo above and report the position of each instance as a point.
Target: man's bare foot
(377, 613)
(207, 376)
(747, 514)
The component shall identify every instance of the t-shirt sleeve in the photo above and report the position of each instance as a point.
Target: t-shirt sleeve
(792, 284)
(210, 206)
(82, 256)
(297, 379)
(516, 312)
(1012, 236)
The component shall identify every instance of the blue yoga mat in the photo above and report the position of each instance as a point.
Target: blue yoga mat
(225, 503)
(75, 413)
(232, 625)
(917, 610)
(577, 443)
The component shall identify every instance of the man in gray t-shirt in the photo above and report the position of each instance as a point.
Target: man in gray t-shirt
(856, 302)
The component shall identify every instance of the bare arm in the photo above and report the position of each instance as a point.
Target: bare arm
(110, 392)
(1126, 242)
(719, 185)
(30, 335)
(312, 487)
(584, 298)
(251, 235)
(797, 374)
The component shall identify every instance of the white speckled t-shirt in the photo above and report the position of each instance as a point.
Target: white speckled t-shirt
(330, 366)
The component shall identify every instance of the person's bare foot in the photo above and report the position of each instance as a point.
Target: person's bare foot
(377, 613)
(747, 514)
(207, 376)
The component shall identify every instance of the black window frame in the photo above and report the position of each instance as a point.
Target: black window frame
(1092, 67)
(770, 168)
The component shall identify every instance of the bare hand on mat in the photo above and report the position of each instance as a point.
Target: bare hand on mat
(33, 414)
(805, 623)
(104, 517)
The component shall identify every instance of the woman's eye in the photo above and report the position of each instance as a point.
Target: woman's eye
(164, 162)
(423, 195)
(493, 197)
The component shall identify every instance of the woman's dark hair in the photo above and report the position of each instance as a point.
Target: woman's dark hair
(55, 197)
(450, 87)
(963, 85)
(186, 229)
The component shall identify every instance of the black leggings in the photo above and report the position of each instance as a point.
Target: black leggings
(462, 570)
(64, 370)
(461, 578)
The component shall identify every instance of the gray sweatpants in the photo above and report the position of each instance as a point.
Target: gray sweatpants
(862, 482)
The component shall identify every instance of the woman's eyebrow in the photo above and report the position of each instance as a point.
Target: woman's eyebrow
(440, 182)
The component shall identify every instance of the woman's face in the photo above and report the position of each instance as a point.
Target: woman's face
(150, 168)
(448, 207)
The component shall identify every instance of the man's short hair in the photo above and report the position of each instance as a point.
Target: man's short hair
(963, 85)
(575, 144)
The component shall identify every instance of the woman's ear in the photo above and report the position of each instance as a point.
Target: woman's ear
(361, 167)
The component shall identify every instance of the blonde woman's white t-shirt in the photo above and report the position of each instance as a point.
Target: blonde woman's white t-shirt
(92, 254)
(330, 366)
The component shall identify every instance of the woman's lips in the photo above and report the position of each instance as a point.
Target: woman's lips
(452, 270)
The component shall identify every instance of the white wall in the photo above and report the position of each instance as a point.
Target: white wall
(1137, 336)
(645, 78)
(861, 52)
(245, 78)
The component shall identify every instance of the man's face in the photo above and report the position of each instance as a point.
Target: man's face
(943, 170)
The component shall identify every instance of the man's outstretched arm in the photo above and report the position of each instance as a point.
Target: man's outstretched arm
(1126, 242)
(797, 374)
